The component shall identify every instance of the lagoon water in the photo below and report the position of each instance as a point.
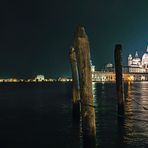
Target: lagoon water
(35, 115)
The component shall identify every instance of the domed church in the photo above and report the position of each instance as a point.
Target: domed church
(137, 65)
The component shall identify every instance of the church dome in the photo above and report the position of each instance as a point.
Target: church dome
(145, 57)
(136, 59)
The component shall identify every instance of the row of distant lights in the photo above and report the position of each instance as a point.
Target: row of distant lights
(30, 80)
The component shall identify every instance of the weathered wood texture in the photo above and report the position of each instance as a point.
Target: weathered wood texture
(75, 85)
(119, 81)
(81, 45)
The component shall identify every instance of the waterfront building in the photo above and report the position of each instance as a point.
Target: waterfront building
(64, 79)
(137, 70)
(40, 78)
(103, 76)
(137, 64)
(108, 76)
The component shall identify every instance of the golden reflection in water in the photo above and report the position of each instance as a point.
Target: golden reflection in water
(143, 100)
(129, 123)
(129, 101)
(136, 112)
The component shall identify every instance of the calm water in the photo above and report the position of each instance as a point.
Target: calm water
(39, 115)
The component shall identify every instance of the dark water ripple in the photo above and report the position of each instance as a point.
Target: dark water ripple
(39, 115)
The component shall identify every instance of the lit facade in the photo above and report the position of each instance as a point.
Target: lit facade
(138, 65)
(40, 78)
(137, 70)
(108, 76)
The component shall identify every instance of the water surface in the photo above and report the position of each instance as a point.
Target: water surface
(39, 115)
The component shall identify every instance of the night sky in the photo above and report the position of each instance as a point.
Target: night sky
(35, 36)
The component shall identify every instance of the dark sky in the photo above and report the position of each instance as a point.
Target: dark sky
(35, 36)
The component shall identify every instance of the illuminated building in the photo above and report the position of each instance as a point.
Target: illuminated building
(64, 79)
(137, 70)
(39, 78)
(105, 75)
(137, 65)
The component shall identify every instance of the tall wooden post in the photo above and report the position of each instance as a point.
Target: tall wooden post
(119, 82)
(81, 45)
(75, 85)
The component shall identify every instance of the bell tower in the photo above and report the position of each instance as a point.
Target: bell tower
(130, 60)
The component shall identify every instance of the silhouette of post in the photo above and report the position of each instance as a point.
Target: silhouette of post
(119, 82)
(81, 45)
(75, 85)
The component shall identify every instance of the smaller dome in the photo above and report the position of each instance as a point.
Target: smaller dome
(130, 57)
(109, 65)
(136, 59)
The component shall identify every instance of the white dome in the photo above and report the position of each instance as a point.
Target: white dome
(145, 58)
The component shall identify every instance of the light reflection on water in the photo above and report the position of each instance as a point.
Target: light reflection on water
(40, 115)
(133, 132)
(136, 121)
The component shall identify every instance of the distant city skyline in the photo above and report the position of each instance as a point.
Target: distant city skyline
(36, 35)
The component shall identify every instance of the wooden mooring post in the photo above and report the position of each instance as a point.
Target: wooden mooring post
(119, 81)
(81, 45)
(75, 85)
